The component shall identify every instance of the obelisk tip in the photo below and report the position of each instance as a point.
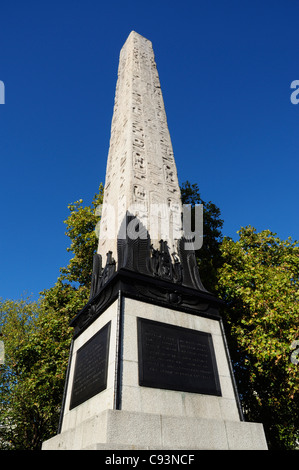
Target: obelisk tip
(137, 35)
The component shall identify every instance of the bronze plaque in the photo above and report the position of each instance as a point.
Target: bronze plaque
(90, 376)
(175, 358)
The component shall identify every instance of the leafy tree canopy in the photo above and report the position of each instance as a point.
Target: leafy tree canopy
(259, 281)
(36, 349)
(37, 339)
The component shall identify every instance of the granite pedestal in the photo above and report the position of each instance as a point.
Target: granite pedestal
(127, 415)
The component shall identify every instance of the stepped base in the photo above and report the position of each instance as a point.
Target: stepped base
(124, 430)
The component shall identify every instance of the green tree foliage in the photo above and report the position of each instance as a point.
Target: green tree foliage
(37, 339)
(30, 380)
(259, 281)
(81, 225)
(71, 291)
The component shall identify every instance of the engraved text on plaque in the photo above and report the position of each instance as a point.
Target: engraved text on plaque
(90, 376)
(175, 358)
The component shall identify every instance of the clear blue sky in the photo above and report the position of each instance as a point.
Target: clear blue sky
(225, 69)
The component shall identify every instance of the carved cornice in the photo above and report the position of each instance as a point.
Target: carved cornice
(147, 289)
(149, 275)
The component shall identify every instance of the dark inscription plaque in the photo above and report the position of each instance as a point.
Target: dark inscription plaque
(90, 376)
(175, 358)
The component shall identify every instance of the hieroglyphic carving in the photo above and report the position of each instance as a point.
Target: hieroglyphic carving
(139, 192)
(140, 167)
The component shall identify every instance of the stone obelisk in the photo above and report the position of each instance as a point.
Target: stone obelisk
(141, 174)
(149, 366)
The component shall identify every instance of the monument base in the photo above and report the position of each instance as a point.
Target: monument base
(144, 376)
(120, 430)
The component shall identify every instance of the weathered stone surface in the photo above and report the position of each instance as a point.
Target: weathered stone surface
(114, 430)
(141, 175)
